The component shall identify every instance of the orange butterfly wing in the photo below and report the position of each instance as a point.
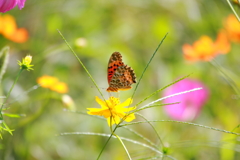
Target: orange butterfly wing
(114, 62)
(120, 76)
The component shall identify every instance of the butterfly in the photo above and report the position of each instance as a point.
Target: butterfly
(120, 76)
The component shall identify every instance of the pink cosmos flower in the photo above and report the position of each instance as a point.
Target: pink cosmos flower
(190, 103)
(6, 5)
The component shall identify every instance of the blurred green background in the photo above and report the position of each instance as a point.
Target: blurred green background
(134, 28)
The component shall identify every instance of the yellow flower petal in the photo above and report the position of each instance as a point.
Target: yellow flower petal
(112, 121)
(130, 117)
(99, 112)
(128, 109)
(126, 103)
(101, 102)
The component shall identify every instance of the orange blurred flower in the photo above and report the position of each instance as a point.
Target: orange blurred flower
(52, 83)
(232, 26)
(237, 2)
(205, 49)
(8, 28)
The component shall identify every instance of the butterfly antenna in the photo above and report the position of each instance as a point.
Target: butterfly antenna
(109, 94)
(99, 87)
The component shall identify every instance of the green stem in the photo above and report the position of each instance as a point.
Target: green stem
(148, 65)
(104, 146)
(189, 123)
(141, 136)
(226, 77)
(8, 94)
(129, 157)
(111, 123)
(82, 64)
(229, 3)
(153, 129)
(93, 83)
(162, 89)
(112, 133)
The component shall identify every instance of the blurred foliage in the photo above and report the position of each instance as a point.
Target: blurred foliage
(133, 28)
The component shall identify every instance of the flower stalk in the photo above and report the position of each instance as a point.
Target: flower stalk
(8, 94)
(24, 65)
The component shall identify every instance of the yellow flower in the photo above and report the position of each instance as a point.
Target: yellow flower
(52, 83)
(26, 63)
(28, 59)
(47, 81)
(60, 87)
(113, 110)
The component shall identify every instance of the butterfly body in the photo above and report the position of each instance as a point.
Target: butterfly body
(120, 76)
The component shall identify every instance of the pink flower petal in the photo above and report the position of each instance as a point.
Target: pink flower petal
(21, 4)
(6, 5)
(190, 103)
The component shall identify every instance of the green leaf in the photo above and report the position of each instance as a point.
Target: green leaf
(13, 115)
(7, 128)
(4, 127)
